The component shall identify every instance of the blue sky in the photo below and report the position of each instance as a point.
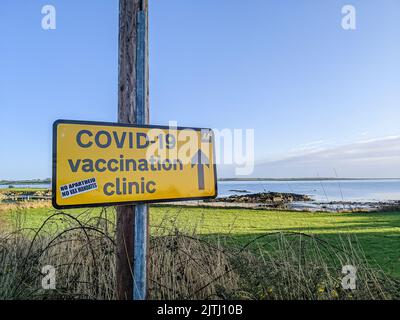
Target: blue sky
(285, 68)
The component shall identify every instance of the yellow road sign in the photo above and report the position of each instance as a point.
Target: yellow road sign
(100, 164)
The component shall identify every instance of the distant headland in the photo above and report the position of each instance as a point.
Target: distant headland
(48, 180)
(32, 181)
(303, 179)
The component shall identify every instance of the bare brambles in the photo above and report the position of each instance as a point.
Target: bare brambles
(183, 264)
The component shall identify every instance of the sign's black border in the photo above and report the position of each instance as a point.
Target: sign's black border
(108, 204)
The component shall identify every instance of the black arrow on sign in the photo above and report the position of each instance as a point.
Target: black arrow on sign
(200, 160)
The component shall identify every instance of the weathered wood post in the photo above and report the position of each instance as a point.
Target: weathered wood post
(133, 108)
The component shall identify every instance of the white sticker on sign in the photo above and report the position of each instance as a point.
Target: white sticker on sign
(75, 188)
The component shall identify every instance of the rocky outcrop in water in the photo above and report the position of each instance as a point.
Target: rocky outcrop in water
(265, 197)
(10, 195)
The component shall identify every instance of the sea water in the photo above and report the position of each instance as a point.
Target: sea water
(322, 191)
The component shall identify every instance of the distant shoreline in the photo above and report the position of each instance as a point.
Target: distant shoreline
(48, 180)
(302, 179)
(19, 182)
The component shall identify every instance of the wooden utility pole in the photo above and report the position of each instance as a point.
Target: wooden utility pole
(133, 108)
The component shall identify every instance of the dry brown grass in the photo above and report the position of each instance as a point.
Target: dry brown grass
(183, 265)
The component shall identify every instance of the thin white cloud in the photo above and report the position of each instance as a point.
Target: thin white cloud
(314, 145)
(377, 157)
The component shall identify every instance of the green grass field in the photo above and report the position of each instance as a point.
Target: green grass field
(378, 234)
